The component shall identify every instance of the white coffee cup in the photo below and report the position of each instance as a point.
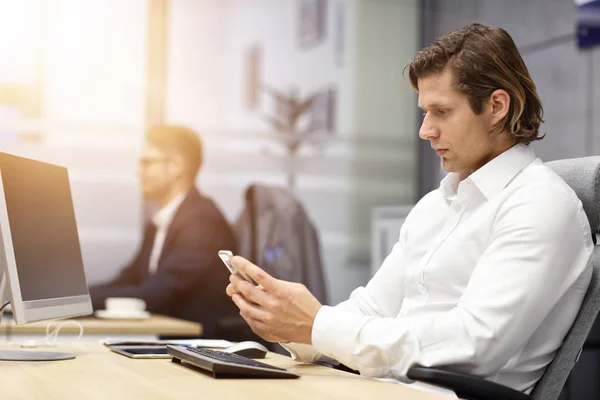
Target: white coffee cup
(124, 304)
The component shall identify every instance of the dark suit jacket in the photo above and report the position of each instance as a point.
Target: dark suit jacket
(190, 280)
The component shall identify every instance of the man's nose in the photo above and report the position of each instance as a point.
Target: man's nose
(428, 131)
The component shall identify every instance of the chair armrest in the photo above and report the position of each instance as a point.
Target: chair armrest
(465, 386)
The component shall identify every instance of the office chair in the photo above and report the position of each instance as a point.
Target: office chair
(583, 175)
(275, 232)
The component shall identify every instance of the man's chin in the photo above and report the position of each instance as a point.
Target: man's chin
(150, 196)
(447, 166)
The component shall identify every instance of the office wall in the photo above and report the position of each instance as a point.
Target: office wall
(94, 68)
(91, 57)
(368, 161)
(94, 107)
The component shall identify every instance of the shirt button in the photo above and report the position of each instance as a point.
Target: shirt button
(421, 287)
(456, 207)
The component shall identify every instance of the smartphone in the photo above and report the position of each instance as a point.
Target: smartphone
(226, 256)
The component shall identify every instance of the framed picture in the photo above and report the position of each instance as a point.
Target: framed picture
(312, 22)
(339, 32)
(323, 111)
(252, 70)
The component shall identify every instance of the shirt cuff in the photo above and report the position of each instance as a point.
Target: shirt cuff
(301, 352)
(335, 335)
(333, 331)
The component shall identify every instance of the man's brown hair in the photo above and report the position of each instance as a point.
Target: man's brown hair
(180, 140)
(485, 59)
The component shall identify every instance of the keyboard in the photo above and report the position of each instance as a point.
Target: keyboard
(226, 365)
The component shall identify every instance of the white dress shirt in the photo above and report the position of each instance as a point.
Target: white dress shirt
(162, 219)
(487, 277)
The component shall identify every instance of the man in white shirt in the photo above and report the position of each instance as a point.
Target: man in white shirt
(489, 270)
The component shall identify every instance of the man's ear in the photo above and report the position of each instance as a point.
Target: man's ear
(178, 164)
(500, 104)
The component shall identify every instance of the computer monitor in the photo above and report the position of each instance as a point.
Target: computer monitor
(40, 257)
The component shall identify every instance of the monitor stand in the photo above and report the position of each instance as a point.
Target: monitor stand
(24, 355)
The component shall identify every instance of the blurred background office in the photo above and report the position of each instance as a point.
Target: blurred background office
(306, 94)
(82, 80)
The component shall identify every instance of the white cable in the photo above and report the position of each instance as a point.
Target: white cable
(52, 337)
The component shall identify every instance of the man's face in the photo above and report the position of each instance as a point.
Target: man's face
(157, 172)
(460, 138)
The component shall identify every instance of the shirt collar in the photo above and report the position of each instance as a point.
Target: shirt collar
(449, 185)
(493, 176)
(163, 217)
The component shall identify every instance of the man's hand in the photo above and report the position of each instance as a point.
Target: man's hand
(277, 311)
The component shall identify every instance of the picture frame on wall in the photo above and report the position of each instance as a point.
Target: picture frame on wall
(312, 22)
(339, 32)
(252, 72)
(323, 111)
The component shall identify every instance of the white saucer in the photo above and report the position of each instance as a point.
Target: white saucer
(130, 314)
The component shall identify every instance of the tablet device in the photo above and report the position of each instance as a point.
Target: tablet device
(159, 351)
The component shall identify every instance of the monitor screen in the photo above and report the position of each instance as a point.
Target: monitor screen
(43, 229)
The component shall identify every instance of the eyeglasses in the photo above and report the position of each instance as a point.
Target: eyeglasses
(148, 161)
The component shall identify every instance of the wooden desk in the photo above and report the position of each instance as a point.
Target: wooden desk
(95, 329)
(97, 373)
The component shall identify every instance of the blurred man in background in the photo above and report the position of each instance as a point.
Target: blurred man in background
(176, 270)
